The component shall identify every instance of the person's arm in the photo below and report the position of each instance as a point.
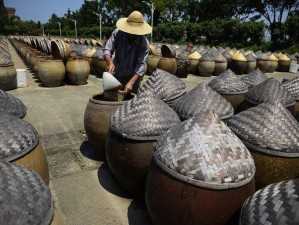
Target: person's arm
(108, 52)
(132, 81)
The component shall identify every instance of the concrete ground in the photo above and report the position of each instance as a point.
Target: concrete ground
(82, 185)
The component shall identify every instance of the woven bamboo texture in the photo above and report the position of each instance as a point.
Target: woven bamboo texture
(144, 117)
(201, 98)
(205, 152)
(17, 137)
(11, 105)
(293, 87)
(270, 89)
(269, 128)
(25, 198)
(5, 57)
(275, 204)
(254, 78)
(228, 83)
(164, 85)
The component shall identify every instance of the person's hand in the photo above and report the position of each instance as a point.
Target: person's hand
(110, 67)
(129, 87)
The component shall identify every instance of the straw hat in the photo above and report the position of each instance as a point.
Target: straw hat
(134, 24)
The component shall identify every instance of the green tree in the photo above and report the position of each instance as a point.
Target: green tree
(3, 16)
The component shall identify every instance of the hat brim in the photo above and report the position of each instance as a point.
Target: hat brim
(133, 28)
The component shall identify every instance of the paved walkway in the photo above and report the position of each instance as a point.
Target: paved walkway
(82, 186)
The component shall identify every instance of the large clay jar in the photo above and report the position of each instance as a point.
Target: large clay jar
(96, 120)
(51, 72)
(263, 62)
(206, 64)
(273, 63)
(230, 87)
(19, 143)
(167, 64)
(77, 70)
(196, 177)
(152, 63)
(284, 63)
(135, 126)
(8, 78)
(251, 62)
(25, 199)
(270, 132)
(183, 67)
(220, 64)
(239, 63)
(194, 60)
(264, 202)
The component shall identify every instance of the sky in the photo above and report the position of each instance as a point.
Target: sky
(41, 10)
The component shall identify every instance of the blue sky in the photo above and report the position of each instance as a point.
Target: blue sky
(41, 10)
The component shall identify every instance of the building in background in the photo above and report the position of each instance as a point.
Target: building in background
(10, 12)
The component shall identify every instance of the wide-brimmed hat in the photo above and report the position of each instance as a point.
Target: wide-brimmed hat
(134, 24)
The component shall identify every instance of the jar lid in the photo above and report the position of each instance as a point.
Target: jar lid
(194, 55)
(254, 78)
(250, 57)
(201, 98)
(269, 128)
(17, 137)
(11, 105)
(292, 86)
(263, 57)
(238, 56)
(164, 85)
(208, 56)
(25, 198)
(270, 89)
(168, 51)
(203, 151)
(145, 117)
(220, 58)
(277, 203)
(228, 83)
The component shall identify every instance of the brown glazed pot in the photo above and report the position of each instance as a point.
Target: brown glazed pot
(77, 71)
(234, 99)
(194, 66)
(8, 78)
(51, 72)
(96, 121)
(273, 66)
(219, 68)
(129, 161)
(263, 65)
(171, 201)
(167, 64)
(238, 67)
(36, 160)
(206, 68)
(284, 65)
(183, 68)
(152, 63)
(101, 67)
(250, 66)
(272, 169)
(296, 107)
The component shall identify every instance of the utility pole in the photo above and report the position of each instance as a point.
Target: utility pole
(75, 21)
(59, 24)
(152, 7)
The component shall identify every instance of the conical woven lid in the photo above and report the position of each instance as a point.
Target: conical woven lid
(228, 83)
(17, 137)
(272, 57)
(238, 56)
(194, 55)
(250, 57)
(269, 89)
(168, 51)
(164, 85)
(207, 57)
(11, 105)
(203, 151)
(269, 128)
(275, 204)
(254, 78)
(293, 87)
(263, 57)
(25, 198)
(284, 58)
(144, 117)
(220, 58)
(201, 98)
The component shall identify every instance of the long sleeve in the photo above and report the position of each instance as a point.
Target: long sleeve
(110, 45)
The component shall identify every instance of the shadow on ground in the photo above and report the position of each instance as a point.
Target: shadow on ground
(87, 150)
(137, 213)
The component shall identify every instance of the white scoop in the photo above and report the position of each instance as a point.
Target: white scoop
(110, 83)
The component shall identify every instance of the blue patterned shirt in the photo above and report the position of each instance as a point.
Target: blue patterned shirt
(130, 58)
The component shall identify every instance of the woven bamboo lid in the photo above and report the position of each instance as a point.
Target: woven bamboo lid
(263, 57)
(203, 151)
(250, 57)
(284, 57)
(219, 58)
(209, 56)
(25, 198)
(269, 89)
(194, 55)
(144, 117)
(254, 78)
(201, 98)
(293, 87)
(17, 137)
(228, 83)
(164, 85)
(238, 56)
(269, 128)
(11, 105)
(272, 57)
(275, 204)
